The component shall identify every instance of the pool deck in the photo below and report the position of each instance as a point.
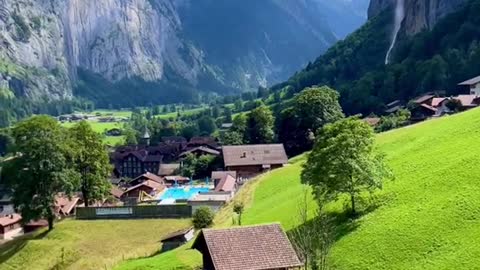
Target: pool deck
(160, 195)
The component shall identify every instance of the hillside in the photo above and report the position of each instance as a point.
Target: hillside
(427, 218)
(87, 244)
(102, 49)
(427, 57)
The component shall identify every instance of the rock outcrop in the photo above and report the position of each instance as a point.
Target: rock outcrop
(419, 14)
(232, 45)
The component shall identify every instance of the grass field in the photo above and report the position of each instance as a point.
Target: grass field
(101, 128)
(88, 244)
(427, 218)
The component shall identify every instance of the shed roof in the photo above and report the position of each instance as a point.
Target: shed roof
(471, 81)
(258, 247)
(64, 205)
(221, 174)
(150, 176)
(261, 154)
(176, 234)
(437, 101)
(468, 100)
(149, 183)
(227, 184)
(10, 219)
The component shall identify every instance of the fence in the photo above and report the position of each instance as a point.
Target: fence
(134, 212)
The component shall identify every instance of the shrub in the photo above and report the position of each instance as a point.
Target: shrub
(203, 217)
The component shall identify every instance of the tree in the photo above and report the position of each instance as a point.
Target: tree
(238, 208)
(238, 105)
(314, 237)
(130, 136)
(260, 126)
(344, 161)
(6, 141)
(227, 113)
(206, 125)
(232, 138)
(91, 161)
(188, 165)
(310, 110)
(203, 217)
(42, 169)
(215, 112)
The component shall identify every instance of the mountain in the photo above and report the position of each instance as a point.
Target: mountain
(160, 50)
(436, 47)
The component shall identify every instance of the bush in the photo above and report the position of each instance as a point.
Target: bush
(203, 217)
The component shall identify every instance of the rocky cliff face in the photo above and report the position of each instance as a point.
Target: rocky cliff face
(228, 45)
(419, 14)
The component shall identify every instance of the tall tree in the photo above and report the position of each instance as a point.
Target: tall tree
(42, 169)
(206, 125)
(310, 110)
(344, 161)
(260, 125)
(227, 113)
(91, 161)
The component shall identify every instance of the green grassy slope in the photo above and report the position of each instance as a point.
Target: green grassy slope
(87, 245)
(429, 217)
(432, 218)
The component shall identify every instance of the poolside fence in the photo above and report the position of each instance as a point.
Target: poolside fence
(135, 212)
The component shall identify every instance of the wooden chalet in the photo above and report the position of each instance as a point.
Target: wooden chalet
(473, 85)
(251, 160)
(200, 151)
(10, 226)
(264, 247)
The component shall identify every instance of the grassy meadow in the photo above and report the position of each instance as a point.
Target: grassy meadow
(86, 245)
(100, 128)
(428, 217)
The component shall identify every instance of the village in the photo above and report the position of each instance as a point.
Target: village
(153, 181)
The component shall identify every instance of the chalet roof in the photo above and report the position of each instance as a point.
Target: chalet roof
(176, 234)
(201, 149)
(168, 169)
(64, 205)
(150, 176)
(220, 174)
(10, 219)
(261, 154)
(437, 101)
(205, 141)
(253, 248)
(116, 192)
(470, 82)
(227, 184)
(423, 99)
(149, 183)
(468, 100)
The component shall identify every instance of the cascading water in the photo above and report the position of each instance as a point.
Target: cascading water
(399, 17)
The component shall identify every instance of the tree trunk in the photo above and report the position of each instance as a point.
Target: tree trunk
(352, 198)
(85, 197)
(50, 222)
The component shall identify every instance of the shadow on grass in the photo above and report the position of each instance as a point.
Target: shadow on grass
(10, 248)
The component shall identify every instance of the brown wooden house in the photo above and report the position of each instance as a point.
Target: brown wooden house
(264, 247)
(251, 160)
(148, 187)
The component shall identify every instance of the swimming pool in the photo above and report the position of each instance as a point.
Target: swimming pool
(183, 193)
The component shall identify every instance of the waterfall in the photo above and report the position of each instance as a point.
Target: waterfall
(399, 16)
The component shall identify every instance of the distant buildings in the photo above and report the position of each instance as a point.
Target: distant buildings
(251, 160)
(473, 85)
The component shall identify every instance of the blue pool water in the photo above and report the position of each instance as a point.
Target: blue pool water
(180, 193)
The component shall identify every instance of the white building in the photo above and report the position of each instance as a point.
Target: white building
(473, 84)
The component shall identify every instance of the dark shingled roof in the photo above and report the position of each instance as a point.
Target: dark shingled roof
(248, 248)
(261, 154)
